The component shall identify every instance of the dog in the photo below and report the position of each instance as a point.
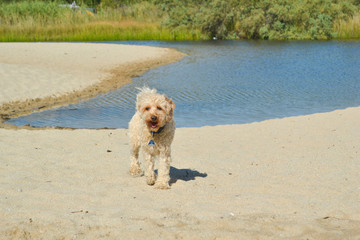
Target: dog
(152, 128)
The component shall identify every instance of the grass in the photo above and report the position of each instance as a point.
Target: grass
(95, 31)
(349, 29)
(46, 21)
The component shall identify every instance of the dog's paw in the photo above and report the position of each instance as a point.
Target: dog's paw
(162, 185)
(135, 170)
(150, 180)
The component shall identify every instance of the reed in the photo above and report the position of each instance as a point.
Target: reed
(348, 29)
(46, 21)
(95, 31)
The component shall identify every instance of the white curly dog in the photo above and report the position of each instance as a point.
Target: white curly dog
(152, 129)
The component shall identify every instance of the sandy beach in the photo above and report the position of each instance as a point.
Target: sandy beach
(291, 178)
(43, 75)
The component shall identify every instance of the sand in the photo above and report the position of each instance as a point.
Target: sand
(42, 75)
(291, 178)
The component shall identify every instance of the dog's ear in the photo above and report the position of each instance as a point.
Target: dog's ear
(170, 109)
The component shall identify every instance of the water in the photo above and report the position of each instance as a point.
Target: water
(230, 82)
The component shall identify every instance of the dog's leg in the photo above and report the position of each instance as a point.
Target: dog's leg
(164, 170)
(135, 168)
(134, 134)
(149, 171)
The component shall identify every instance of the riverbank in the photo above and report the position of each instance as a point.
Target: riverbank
(291, 178)
(37, 76)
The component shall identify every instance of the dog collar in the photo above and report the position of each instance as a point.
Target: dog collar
(152, 142)
(158, 131)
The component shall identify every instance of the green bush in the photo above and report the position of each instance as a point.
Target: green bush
(264, 19)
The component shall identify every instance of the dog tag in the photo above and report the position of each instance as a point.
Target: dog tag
(151, 143)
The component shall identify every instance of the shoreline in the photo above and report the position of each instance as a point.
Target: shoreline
(289, 178)
(109, 79)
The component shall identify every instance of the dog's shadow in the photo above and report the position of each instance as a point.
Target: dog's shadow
(184, 175)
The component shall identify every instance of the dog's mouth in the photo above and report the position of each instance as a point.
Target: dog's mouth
(153, 125)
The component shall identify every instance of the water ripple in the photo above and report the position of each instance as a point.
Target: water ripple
(230, 82)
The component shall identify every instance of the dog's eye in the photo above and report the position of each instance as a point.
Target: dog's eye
(147, 108)
(159, 108)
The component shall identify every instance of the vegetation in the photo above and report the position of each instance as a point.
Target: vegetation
(49, 21)
(348, 29)
(97, 20)
(261, 19)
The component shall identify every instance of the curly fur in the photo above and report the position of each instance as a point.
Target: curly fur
(153, 120)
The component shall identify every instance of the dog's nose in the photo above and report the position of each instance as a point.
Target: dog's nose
(153, 118)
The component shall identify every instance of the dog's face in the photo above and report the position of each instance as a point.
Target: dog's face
(156, 110)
